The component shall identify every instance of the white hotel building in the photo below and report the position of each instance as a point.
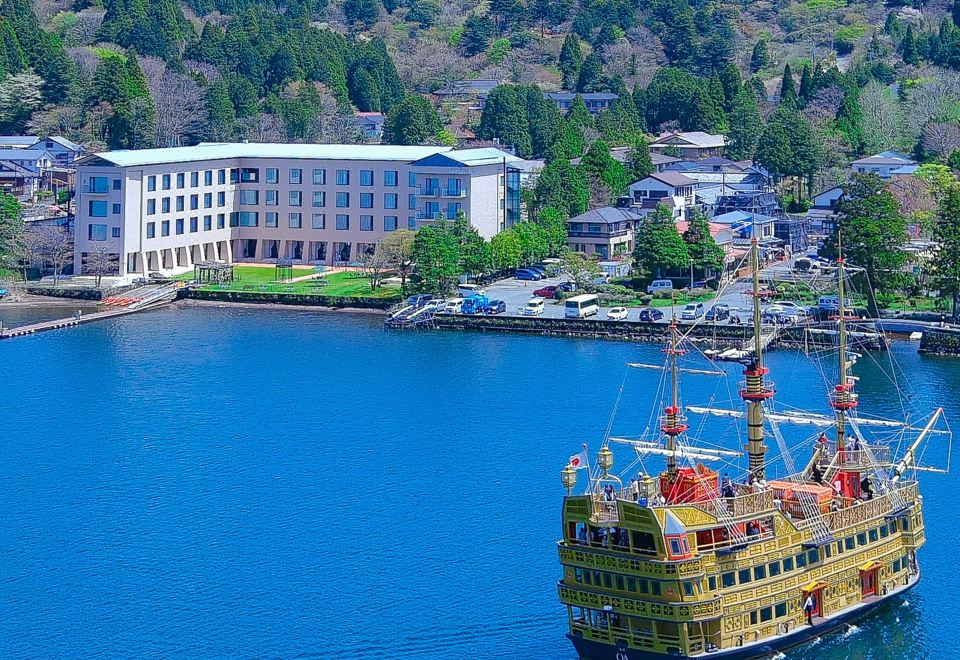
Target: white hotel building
(165, 210)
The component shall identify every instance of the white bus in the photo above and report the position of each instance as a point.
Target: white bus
(580, 307)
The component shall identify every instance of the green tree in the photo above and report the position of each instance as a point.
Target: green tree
(11, 227)
(670, 96)
(659, 248)
(581, 269)
(221, 116)
(639, 164)
(505, 117)
(622, 123)
(908, 47)
(534, 242)
(505, 251)
(543, 120)
(571, 59)
(731, 82)
(760, 58)
(436, 254)
(578, 115)
(554, 223)
(365, 12)
(850, 119)
(412, 121)
(745, 125)
(706, 113)
(591, 74)
(673, 21)
(478, 32)
(787, 146)
(706, 257)
(788, 88)
(601, 164)
(946, 256)
(562, 187)
(473, 252)
(806, 84)
(873, 234)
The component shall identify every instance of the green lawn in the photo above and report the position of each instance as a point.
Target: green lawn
(254, 279)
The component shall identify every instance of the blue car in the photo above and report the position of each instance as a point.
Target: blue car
(531, 275)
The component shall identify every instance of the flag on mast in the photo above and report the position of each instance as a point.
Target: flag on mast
(580, 461)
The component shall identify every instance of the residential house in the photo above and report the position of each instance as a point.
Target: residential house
(474, 92)
(596, 102)
(65, 152)
(371, 123)
(606, 232)
(24, 172)
(886, 165)
(693, 145)
(17, 141)
(672, 189)
(168, 209)
(746, 226)
(823, 213)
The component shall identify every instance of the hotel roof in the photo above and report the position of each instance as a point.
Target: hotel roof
(230, 150)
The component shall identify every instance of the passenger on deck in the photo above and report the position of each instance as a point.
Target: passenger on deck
(856, 444)
(823, 440)
(726, 487)
(608, 493)
(834, 506)
(816, 474)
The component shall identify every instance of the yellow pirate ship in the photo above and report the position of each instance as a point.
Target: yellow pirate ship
(684, 565)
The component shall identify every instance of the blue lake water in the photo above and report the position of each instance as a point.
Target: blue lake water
(206, 482)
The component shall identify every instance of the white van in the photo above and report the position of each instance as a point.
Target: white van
(453, 306)
(582, 306)
(468, 290)
(534, 307)
(660, 285)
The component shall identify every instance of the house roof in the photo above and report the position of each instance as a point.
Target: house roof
(607, 215)
(886, 158)
(24, 154)
(693, 138)
(738, 217)
(587, 96)
(674, 179)
(230, 150)
(17, 140)
(471, 157)
(715, 227)
(660, 159)
(62, 141)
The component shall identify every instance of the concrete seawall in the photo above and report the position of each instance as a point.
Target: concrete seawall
(940, 341)
(289, 299)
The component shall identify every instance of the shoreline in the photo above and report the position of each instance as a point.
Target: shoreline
(31, 300)
(196, 302)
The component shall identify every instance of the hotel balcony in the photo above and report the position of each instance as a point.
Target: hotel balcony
(441, 192)
(598, 234)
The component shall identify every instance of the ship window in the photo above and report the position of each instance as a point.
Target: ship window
(766, 613)
(788, 564)
(774, 569)
(644, 586)
(579, 614)
(813, 556)
(620, 584)
(580, 533)
(873, 535)
(631, 584)
(712, 582)
(905, 524)
(655, 587)
(675, 547)
(643, 542)
(861, 539)
(779, 610)
(759, 572)
(896, 565)
(753, 618)
(643, 627)
(801, 560)
(686, 546)
(839, 547)
(728, 579)
(688, 589)
(597, 578)
(849, 543)
(884, 532)
(608, 581)
(743, 576)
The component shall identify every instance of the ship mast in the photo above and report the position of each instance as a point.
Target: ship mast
(753, 390)
(842, 398)
(673, 423)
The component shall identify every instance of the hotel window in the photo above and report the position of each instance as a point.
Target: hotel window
(295, 221)
(454, 207)
(165, 205)
(272, 198)
(249, 196)
(234, 174)
(116, 209)
(151, 183)
(343, 222)
(296, 176)
(179, 202)
(296, 198)
(208, 178)
(389, 200)
(151, 229)
(179, 226)
(270, 220)
(319, 221)
(181, 180)
(366, 223)
(165, 182)
(389, 223)
(249, 218)
(366, 200)
(273, 175)
(221, 221)
(117, 184)
(165, 228)
(221, 177)
(151, 206)
(411, 222)
(194, 202)
(412, 179)
(208, 200)
(390, 178)
(97, 232)
(221, 198)
(319, 199)
(235, 219)
(99, 184)
(343, 200)
(194, 179)
(343, 177)
(412, 202)
(366, 177)
(194, 224)
(250, 175)
(207, 222)
(319, 177)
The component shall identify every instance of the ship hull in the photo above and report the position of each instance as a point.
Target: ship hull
(591, 650)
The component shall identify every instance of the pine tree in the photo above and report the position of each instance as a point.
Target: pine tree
(669, 97)
(706, 113)
(571, 59)
(591, 74)
(731, 82)
(850, 119)
(477, 33)
(221, 116)
(760, 58)
(659, 248)
(621, 123)
(561, 186)
(505, 117)
(578, 115)
(599, 163)
(745, 125)
(673, 21)
(806, 84)
(706, 256)
(544, 121)
(639, 164)
(908, 47)
(365, 12)
(412, 121)
(946, 258)
(788, 89)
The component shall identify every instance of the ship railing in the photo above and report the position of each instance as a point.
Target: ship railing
(853, 512)
(744, 505)
(605, 511)
(869, 456)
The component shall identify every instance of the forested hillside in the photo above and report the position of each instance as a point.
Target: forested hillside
(801, 85)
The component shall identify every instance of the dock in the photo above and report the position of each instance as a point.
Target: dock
(138, 300)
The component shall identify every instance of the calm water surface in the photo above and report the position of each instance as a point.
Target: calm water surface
(204, 482)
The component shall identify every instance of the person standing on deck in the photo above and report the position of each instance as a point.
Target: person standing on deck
(808, 606)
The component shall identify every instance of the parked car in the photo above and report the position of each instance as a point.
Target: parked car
(617, 314)
(650, 314)
(454, 306)
(3, 294)
(437, 304)
(496, 307)
(546, 292)
(660, 285)
(467, 290)
(524, 274)
(567, 287)
(692, 311)
(156, 277)
(718, 312)
(474, 304)
(789, 304)
(534, 307)
(537, 268)
(418, 300)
